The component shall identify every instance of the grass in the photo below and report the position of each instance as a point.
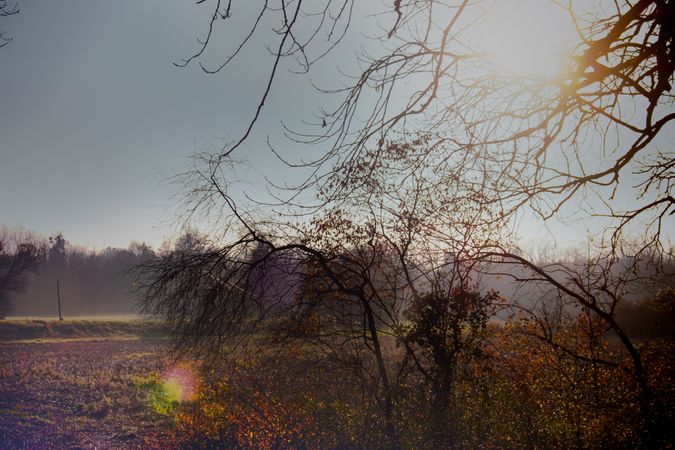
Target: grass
(25, 330)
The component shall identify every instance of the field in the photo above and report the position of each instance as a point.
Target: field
(109, 384)
(83, 384)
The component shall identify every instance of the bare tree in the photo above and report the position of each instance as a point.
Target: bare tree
(6, 10)
(19, 255)
(346, 284)
(590, 293)
(532, 141)
(401, 187)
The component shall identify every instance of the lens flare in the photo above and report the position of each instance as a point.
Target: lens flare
(182, 382)
(177, 384)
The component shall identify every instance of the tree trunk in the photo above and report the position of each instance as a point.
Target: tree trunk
(388, 401)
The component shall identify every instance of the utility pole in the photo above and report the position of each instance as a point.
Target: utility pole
(592, 339)
(58, 298)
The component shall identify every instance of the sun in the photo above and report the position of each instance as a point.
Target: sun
(524, 38)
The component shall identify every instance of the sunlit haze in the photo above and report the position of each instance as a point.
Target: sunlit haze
(526, 38)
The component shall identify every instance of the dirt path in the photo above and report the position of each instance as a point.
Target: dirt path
(79, 395)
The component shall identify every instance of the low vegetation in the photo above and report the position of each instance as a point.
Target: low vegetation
(520, 392)
(22, 330)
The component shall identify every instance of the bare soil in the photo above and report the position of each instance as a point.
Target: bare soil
(80, 395)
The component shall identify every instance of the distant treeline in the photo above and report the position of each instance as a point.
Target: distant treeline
(90, 282)
(104, 282)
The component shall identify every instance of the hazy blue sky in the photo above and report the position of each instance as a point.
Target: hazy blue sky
(94, 116)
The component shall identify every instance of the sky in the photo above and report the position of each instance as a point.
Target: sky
(95, 118)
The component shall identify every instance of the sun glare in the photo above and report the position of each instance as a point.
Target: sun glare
(524, 38)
